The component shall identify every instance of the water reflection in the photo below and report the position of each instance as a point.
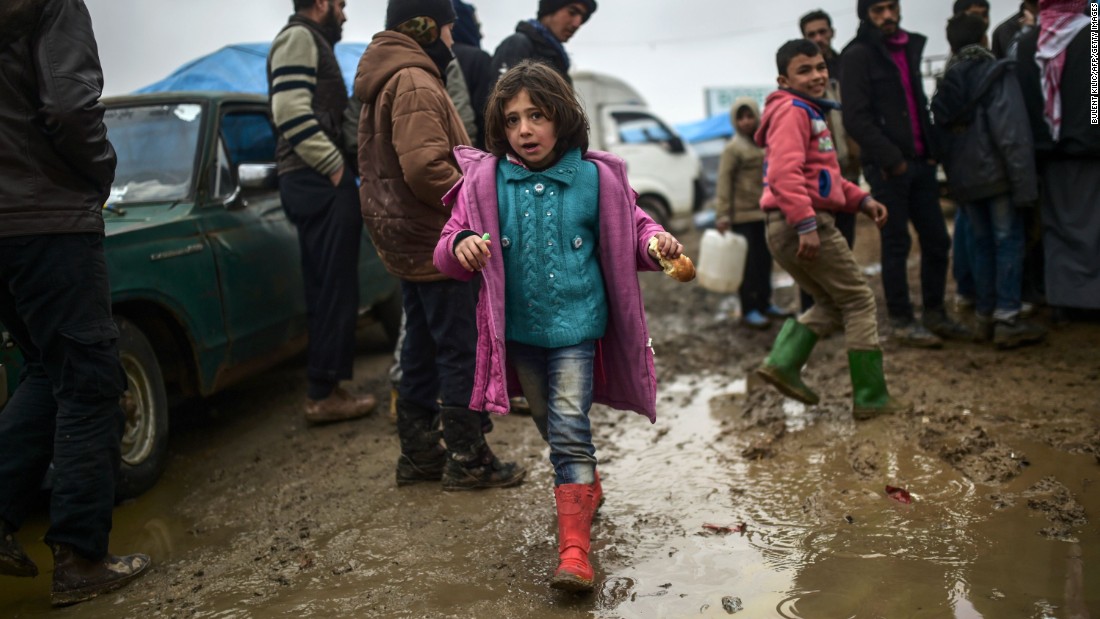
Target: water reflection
(822, 540)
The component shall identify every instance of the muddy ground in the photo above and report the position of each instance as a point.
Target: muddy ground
(736, 502)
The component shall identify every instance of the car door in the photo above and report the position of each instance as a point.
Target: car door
(255, 246)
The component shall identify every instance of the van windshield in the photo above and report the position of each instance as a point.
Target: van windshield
(157, 147)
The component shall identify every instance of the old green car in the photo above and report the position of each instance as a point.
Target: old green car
(206, 282)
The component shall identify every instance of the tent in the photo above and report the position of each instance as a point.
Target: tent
(717, 126)
(243, 68)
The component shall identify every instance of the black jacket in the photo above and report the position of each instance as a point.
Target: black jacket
(982, 127)
(56, 165)
(527, 43)
(876, 113)
(1080, 138)
(477, 69)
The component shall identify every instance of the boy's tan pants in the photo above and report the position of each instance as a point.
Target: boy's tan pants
(841, 295)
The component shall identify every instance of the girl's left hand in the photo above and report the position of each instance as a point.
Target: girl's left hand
(667, 246)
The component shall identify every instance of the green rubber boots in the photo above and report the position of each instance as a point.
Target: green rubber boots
(870, 398)
(783, 367)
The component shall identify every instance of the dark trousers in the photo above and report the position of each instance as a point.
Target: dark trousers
(329, 227)
(437, 359)
(756, 287)
(846, 224)
(913, 197)
(56, 304)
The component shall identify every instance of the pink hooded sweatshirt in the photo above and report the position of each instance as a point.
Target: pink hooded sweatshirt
(624, 377)
(801, 171)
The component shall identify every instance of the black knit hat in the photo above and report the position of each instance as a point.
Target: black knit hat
(963, 5)
(546, 7)
(863, 7)
(401, 11)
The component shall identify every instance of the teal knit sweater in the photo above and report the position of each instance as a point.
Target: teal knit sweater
(550, 227)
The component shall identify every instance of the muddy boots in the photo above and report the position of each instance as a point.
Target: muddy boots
(76, 579)
(577, 505)
(422, 457)
(870, 398)
(783, 367)
(470, 463)
(13, 560)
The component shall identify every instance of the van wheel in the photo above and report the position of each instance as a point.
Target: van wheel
(655, 208)
(145, 405)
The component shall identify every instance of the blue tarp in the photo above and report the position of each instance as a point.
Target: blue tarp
(717, 126)
(243, 68)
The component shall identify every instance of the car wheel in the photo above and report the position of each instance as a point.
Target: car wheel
(655, 208)
(145, 404)
(388, 313)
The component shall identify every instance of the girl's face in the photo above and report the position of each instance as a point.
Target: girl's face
(531, 134)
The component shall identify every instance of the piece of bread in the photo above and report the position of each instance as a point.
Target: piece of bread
(681, 269)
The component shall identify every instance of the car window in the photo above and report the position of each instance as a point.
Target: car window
(223, 182)
(157, 146)
(638, 128)
(249, 137)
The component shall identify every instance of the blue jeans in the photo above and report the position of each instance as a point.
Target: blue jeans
(962, 264)
(558, 386)
(997, 256)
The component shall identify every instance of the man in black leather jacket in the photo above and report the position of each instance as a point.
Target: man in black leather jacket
(56, 169)
(543, 38)
(885, 112)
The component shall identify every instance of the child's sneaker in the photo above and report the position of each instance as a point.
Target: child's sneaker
(756, 320)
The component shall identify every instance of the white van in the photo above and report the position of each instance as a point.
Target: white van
(662, 168)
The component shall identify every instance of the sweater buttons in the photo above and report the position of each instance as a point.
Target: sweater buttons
(577, 242)
(551, 276)
(505, 242)
(539, 189)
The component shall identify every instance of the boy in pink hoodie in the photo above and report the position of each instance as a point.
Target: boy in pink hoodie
(803, 187)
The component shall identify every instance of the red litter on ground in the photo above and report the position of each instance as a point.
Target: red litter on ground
(722, 529)
(901, 495)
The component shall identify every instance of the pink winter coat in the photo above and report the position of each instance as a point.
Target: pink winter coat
(801, 171)
(624, 376)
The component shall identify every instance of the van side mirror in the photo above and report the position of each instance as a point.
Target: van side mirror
(676, 145)
(257, 176)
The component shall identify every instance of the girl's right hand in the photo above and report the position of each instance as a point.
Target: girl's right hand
(473, 253)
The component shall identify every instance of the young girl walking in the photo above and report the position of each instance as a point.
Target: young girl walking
(555, 233)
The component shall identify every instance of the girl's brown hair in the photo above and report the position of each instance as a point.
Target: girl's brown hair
(550, 93)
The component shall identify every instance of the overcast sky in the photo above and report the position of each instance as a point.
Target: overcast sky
(669, 50)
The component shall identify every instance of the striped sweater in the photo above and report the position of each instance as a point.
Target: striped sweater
(308, 99)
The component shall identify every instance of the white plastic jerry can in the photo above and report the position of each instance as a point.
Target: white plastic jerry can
(722, 261)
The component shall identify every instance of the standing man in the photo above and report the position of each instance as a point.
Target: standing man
(544, 37)
(476, 65)
(886, 113)
(308, 104)
(1006, 33)
(56, 169)
(408, 130)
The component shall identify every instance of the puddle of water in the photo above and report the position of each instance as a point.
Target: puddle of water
(822, 542)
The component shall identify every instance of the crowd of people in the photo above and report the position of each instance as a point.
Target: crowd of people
(518, 248)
